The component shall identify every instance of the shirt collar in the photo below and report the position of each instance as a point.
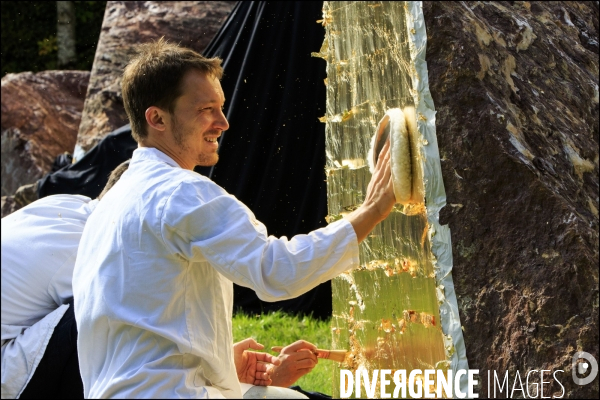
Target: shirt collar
(153, 154)
(92, 205)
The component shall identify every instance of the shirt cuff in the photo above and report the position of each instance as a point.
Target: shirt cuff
(345, 229)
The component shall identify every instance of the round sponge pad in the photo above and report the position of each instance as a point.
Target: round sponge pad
(393, 125)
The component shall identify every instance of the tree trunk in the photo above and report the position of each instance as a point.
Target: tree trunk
(65, 33)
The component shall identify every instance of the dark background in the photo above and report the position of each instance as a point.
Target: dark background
(273, 156)
(29, 35)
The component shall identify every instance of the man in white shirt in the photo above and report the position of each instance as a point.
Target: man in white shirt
(39, 247)
(39, 335)
(154, 274)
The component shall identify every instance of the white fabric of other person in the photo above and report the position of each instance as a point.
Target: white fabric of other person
(39, 247)
(153, 281)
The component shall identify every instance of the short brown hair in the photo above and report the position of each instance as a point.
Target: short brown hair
(153, 78)
(114, 177)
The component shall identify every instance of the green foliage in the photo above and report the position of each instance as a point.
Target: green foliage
(29, 34)
(280, 329)
(47, 46)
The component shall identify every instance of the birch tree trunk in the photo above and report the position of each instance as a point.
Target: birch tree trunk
(65, 33)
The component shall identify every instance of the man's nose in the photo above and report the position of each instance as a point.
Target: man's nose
(222, 122)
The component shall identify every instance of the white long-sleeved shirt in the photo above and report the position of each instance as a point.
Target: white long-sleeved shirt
(153, 281)
(39, 246)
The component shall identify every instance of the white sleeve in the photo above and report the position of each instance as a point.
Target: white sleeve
(224, 232)
(24, 351)
(61, 284)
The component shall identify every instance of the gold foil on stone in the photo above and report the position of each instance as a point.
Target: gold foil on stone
(386, 312)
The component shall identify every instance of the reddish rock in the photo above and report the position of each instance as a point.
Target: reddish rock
(515, 86)
(40, 119)
(127, 23)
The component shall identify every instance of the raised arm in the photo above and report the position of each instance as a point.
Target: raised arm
(220, 230)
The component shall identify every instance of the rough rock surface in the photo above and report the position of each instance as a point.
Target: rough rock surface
(126, 24)
(40, 119)
(515, 86)
(7, 205)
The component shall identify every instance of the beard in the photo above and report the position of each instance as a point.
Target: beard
(182, 138)
(207, 160)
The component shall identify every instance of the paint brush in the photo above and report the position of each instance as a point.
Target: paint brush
(334, 355)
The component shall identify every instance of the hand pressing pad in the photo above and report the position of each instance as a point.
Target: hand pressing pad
(401, 127)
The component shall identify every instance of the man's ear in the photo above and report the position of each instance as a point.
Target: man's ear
(156, 118)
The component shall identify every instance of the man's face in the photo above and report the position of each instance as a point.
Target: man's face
(198, 118)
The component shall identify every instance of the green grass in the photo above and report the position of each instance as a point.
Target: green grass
(281, 329)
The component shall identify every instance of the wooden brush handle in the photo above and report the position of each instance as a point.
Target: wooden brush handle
(335, 355)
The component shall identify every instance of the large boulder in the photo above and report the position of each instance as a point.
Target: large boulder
(515, 86)
(40, 120)
(127, 23)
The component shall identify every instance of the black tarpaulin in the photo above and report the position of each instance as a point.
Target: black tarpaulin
(273, 156)
(89, 175)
